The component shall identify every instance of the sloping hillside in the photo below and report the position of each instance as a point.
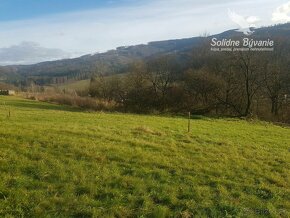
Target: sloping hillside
(57, 161)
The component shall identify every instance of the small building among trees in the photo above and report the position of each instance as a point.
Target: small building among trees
(7, 92)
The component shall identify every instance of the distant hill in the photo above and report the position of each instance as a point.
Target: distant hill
(116, 61)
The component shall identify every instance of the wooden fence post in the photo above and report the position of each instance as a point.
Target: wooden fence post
(189, 118)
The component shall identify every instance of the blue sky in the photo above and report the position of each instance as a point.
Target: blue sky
(27, 9)
(32, 31)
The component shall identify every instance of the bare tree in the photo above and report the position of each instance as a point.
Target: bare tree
(160, 73)
(248, 72)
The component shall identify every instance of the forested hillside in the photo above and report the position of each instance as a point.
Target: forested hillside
(116, 61)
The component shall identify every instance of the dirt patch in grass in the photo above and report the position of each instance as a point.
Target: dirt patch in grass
(146, 130)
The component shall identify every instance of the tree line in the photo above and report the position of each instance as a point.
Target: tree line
(239, 84)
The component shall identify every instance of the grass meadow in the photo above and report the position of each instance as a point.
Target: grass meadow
(58, 161)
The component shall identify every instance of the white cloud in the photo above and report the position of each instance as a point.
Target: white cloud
(99, 30)
(282, 14)
(29, 53)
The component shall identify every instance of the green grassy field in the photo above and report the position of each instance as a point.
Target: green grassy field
(56, 161)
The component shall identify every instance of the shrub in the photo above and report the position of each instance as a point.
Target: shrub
(73, 100)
